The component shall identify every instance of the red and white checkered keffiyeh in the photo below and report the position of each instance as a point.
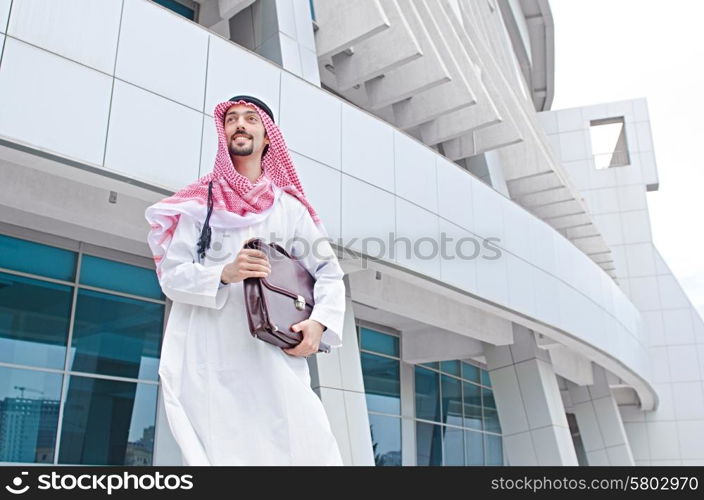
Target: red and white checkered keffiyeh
(237, 202)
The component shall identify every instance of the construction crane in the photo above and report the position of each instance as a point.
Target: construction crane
(23, 388)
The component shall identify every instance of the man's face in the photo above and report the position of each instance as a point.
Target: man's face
(244, 131)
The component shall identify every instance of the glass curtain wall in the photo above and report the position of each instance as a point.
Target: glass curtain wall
(80, 337)
(456, 421)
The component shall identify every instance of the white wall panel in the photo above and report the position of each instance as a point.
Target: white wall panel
(285, 15)
(641, 260)
(367, 212)
(309, 65)
(521, 288)
(209, 146)
(547, 299)
(488, 208)
(367, 148)
(290, 57)
(52, 103)
(304, 25)
(573, 146)
(310, 120)
(82, 30)
(644, 293)
(460, 271)
(322, 185)
(4, 14)
(492, 278)
(691, 441)
(153, 139)
(418, 246)
(454, 194)
(684, 363)
(570, 119)
(415, 172)
(678, 326)
(688, 399)
(234, 71)
(636, 226)
(516, 235)
(172, 63)
(663, 445)
(671, 294)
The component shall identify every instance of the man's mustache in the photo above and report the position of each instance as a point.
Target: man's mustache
(244, 134)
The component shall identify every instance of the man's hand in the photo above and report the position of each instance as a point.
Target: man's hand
(312, 332)
(249, 263)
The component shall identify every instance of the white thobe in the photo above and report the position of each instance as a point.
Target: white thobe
(232, 399)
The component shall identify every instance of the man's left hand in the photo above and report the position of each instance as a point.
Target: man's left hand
(312, 332)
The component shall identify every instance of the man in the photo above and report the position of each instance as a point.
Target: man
(232, 399)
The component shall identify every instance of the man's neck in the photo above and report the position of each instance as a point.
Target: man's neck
(250, 166)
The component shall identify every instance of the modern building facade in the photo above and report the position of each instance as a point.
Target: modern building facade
(506, 304)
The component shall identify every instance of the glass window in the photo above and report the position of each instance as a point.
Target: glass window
(386, 439)
(178, 8)
(472, 405)
(35, 258)
(474, 447)
(494, 450)
(453, 442)
(491, 420)
(470, 372)
(433, 364)
(427, 394)
(108, 422)
(428, 444)
(379, 342)
(115, 335)
(452, 367)
(577, 440)
(103, 273)
(29, 414)
(488, 398)
(485, 378)
(34, 321)
(451, 400)
(491, 415)
(381, 383)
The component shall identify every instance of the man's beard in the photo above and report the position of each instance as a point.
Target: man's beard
(243, 150)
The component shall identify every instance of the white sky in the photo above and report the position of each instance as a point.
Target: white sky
(624, 49)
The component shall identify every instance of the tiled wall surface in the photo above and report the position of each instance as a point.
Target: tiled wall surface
(674, 331)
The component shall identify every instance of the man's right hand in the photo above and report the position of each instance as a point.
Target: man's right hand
(249, 263)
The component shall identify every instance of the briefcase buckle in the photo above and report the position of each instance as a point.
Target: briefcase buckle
(300, 303)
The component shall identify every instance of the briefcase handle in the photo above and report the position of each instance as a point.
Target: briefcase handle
(258, 242)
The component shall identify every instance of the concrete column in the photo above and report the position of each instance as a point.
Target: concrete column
(599, 421)
(281, 31)
(337, 378)
(533, 421)
(166, 450)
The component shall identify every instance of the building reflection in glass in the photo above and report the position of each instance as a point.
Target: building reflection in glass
(29, 414)
(108, 422)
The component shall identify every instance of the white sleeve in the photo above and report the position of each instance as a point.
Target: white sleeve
(319, 258)
(183, 278)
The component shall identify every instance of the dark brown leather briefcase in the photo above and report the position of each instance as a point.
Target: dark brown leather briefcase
(280, 300)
